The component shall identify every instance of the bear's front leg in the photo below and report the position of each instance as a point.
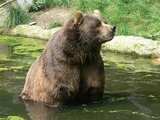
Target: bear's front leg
(92, 81)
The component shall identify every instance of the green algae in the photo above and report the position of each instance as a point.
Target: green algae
(18, 50)
(16, 56)
(20, 54)
(121, 66)
(23, 46)
(4, 69)
(19, 40)
(13, 118)
(34, 51)
(17, 67)
(139, 71)
(134, 113)
(116, 64)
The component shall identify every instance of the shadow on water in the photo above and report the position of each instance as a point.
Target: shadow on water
(131, 93)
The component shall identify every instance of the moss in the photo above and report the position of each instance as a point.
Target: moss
(17, 77)
(117, 99)
(134, 113)
(22, 46)
(12, 118)
(20, 40)
(27, 49)
(116, 64)
(138, 71)
(4, 69)
(121, 66)
(90, 110)
(17, 67)
(18, 53)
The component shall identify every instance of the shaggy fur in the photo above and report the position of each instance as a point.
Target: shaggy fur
(70, 67)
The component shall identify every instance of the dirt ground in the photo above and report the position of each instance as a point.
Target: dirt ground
(45, 17)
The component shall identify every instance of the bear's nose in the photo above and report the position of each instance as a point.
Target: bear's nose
(113, 28)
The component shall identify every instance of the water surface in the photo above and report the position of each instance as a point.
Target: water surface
(2, 1)
(131, 92)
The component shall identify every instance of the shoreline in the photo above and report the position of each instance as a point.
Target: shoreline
(122, 44)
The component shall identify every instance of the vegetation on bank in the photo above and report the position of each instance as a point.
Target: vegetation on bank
(132, 17)
(16, 16)
(39, 4)
(55, 24)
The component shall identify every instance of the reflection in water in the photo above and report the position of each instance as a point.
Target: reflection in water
(131, 93)
(94, 111)
(37, 111)
(121, 106)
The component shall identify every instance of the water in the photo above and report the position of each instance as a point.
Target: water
(2, 1)
(131, 93)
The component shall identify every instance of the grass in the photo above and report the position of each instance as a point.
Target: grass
(57, 3)
(132, 17)
(55, 24)
(16, 16)
(42, 4)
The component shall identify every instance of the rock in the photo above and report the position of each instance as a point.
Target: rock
(124, 44)
(33, 31)
(131, 44)
(25, 4)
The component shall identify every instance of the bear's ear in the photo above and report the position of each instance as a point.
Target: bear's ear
(78, 18)
(96, 12)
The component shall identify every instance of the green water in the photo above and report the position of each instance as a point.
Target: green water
(131, 93)
(2, 1)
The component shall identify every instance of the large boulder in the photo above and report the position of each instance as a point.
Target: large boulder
(131, 44)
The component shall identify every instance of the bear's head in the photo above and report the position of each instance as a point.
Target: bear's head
(93, 27)
(87, 32)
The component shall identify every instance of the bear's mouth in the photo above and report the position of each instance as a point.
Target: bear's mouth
(109, 38)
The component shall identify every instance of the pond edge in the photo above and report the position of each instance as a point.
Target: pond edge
(123, 44)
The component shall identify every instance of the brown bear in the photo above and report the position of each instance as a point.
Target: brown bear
(70, 67)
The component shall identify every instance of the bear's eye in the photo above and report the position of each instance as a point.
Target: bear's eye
(99, 23)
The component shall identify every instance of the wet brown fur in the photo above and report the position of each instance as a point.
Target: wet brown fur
(70, 67)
